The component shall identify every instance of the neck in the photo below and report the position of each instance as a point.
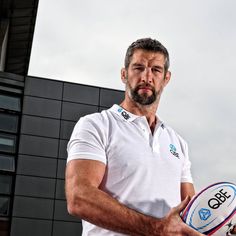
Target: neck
(149, 111)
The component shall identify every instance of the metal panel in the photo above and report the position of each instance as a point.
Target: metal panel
(40, 126)
(61, 169)
(30, 227)
(109, 97)
(38, 146)
(60, 189)
(61, 228)
(66, 129)
(81, 94)
(38, 166)
(73, 111)
(41, 107)
(33, 207)
(43, 88)
(62, 149)
(61, 212)
(35, 186)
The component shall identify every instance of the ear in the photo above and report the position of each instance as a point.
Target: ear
(124, 75)
(167, 77)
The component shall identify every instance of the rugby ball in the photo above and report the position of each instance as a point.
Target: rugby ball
(213, 210)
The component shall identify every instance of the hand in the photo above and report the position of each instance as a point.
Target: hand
(233, 231)
(174, 225)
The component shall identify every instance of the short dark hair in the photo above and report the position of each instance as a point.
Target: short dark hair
(147, 44)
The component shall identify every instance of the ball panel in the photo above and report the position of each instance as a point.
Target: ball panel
(225, 227)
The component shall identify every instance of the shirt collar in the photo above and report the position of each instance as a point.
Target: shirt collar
(127, 116)
(123, 114)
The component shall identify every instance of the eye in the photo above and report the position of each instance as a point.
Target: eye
(157, 70)
(139, 68)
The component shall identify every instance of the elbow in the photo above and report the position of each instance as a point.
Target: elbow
(76, 207)
(72, 209)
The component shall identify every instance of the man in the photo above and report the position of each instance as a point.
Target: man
(127, 170)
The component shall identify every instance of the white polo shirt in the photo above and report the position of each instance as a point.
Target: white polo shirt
(144, 170)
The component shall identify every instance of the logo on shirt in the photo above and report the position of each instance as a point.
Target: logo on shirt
(123, 113)
(173, 150)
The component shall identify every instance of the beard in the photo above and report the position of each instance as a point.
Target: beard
(144, 98)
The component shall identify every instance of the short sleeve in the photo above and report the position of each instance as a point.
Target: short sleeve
(87, 140)
(186, 168)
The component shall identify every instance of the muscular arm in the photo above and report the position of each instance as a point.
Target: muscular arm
(87, 201)
(187, 189)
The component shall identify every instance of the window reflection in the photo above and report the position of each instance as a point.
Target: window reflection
(5, 184)
(8, 122)
(9, 102)
(4, 206)
(7, 143)
(7, 163)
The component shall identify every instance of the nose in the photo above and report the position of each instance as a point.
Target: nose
(147, 76)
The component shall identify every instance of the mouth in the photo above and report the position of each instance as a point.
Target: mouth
(145, 89)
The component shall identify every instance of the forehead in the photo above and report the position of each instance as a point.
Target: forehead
(147, 57)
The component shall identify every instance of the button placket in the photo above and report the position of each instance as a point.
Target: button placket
(146, 129)
(156, 140)
(141, 126)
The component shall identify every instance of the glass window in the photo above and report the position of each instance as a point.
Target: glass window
(7, 163)
(10, 102)
(4, 206)
(8, 122)
(4, 226)
(9, 89)
(5, 184)
(7, 143)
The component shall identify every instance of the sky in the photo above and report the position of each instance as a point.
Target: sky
(85, 42)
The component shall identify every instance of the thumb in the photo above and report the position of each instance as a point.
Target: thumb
(183, 204)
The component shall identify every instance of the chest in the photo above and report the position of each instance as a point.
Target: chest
(134, 148)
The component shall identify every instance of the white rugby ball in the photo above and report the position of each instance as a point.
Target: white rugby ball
(213, 210)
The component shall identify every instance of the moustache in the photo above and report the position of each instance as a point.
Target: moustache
(147, 86)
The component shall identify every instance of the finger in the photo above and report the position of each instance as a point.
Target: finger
(182, 205)
(233, 231)
(192, 232)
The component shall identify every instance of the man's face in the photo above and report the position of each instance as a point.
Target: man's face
(145, 77)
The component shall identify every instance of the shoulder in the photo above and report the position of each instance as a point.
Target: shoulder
(95, 117)
(174, 134)
(98, 120)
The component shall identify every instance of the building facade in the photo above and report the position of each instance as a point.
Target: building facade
(37, 117)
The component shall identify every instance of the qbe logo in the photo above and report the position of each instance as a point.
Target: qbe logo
(124, 113)
(219, 198)
(173, 150)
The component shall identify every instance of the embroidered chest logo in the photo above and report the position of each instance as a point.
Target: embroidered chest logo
(173, 150)
(124, 113)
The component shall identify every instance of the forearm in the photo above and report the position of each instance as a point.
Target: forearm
(97, 207)
(87, 201)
